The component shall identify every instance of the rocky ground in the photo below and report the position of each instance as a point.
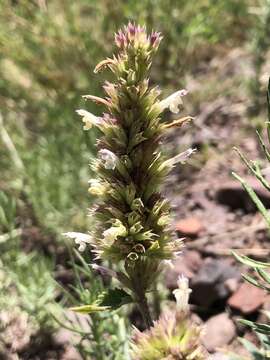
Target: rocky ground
(215, 215)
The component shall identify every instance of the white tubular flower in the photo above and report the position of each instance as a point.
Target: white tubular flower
(182, 293)
(111, 234)
(109, 158)
(80, 239)
(174, 101)
(96, 188)
(182, 157)
(89, 119)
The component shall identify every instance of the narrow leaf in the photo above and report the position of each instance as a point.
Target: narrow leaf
(250, 262)
(88, 309)
(255, 198)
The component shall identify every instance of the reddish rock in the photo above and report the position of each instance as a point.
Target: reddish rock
(219, 331)
(248, 298)
(189, 227)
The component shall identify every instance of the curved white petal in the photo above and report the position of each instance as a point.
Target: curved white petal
(174, 101)
(88, 119)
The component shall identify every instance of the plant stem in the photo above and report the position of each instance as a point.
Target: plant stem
(144, 309)
(156, 301)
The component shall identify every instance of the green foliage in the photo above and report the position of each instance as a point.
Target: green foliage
(25, 278)
(109, 300)
(7, 212)
(261, 353)
(256, 169)
(262, 330)
(102, 335)
(261, 268)
(36, 289)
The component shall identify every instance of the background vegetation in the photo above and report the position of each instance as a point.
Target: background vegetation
(48, 52)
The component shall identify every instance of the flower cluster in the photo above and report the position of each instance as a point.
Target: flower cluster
(131, 215)
(174, 336)
(136, 37)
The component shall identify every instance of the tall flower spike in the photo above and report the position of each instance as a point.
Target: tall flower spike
(132, 217)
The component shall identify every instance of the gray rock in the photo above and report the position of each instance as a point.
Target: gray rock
(219, 331)
(209, 284)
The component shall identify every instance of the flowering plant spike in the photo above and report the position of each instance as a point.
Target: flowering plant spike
(131, 215)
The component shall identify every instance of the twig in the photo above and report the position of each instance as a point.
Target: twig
(144, 309)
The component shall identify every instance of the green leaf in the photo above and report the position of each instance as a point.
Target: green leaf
(252, 349)
(264, 275)
(264, 148)
(255, 282)
(268, 99)
(250, 262)
(254, 197)
(264, 340)
(260, 328)
(268, 106)
(89, 309)
(251, 280)
(3, 218)
(115, 298)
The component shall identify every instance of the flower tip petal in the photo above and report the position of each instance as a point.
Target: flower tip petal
(80, 112)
